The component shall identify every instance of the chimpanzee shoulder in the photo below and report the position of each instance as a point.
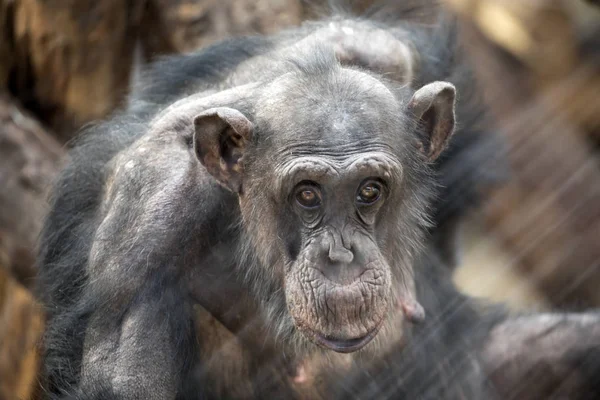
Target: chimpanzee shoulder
(66, 238)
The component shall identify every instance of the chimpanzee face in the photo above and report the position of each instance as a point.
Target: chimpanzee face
(337, 280)
(321, 187)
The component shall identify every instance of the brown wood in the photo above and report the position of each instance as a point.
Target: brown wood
(71, 60)
(6, 45)
(29, 160)
(543, 90)
(21, 327)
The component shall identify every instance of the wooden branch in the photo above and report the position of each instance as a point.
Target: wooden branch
(21, 327)
(29, 160)
(71, 59)
(549, 214)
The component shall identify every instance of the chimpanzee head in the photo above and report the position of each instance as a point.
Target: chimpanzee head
(331, 166)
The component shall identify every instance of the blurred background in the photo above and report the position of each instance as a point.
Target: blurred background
(533, 243)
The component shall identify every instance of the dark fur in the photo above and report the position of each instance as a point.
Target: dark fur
(68, 232)
(441, 360)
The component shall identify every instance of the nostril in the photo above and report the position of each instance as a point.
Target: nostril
(338, 254)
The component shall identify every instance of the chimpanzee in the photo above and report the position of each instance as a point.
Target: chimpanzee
(259, 223)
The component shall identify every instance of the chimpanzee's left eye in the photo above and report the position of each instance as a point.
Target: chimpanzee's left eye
(369, 193)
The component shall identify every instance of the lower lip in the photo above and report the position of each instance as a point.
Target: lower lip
(345, 345)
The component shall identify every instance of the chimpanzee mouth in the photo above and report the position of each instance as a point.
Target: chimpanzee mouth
(345, 345)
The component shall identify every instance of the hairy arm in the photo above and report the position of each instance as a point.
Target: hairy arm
(548, 356)
(139, 337)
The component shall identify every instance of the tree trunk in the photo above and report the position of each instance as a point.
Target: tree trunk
(542, 82)
(70, 60)
(21, 327)
(29, 161)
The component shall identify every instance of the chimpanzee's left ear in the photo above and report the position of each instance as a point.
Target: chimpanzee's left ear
(220, 138)
(433, 105)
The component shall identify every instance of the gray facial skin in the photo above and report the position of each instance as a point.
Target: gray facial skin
(318, 168)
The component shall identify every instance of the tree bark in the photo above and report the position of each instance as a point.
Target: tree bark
(29, 160)
(542, 82)
(21, 327)
(71, 60)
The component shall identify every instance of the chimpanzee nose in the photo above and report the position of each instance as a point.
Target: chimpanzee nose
(340, 254)
(341, 268)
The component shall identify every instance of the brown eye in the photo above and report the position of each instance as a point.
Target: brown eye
(369, 193)
(308, 197)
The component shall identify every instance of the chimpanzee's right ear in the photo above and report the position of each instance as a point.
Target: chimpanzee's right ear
(220, 138)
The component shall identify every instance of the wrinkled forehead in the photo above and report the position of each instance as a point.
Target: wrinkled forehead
(338, 111)
(331, 171)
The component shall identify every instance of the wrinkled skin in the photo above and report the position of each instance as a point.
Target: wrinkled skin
(337, 272)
